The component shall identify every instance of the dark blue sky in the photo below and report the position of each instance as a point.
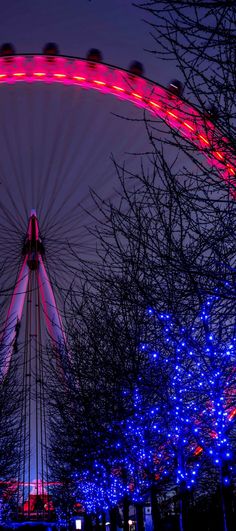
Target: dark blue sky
(57, 142)
(114, 26)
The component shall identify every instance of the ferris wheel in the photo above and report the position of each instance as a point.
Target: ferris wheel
(33, 287)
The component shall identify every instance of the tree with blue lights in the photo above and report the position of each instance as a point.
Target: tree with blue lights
(99, 400)
(200, 396)
(143, 421)
(138, 384)
(150, 390)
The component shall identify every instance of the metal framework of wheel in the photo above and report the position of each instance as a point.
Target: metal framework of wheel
(149, 95)
(176, 112)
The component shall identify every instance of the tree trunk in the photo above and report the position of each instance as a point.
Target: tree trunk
(113, 519)
(103, 521)
(139, 517)
(181, 525)
(97, 526)
(155, 510)
(222, 502)
(126, 513)
(88, 522)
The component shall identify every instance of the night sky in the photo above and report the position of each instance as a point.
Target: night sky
(114, 26)
(58, 142)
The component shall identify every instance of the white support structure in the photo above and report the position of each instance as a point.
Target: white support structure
(12, 324)
(33, 261)
(52, 317)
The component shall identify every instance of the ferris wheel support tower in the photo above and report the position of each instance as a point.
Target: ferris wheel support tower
(33, 252)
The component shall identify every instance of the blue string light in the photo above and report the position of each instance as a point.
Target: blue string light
(185, 413)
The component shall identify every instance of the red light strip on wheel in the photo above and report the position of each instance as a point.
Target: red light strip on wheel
(136, 95)
(120, 89)
(99, 82)
(231, 170)
(219, 155)
(188, 126)
(154, 104)
(172, 114)
(39, 74)
(205, 138)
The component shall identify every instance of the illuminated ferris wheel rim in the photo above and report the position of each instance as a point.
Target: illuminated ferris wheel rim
(180, 115)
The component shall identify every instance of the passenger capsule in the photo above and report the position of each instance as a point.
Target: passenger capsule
(94, 55)
(7, 49)
(51, 49)
(136, 68)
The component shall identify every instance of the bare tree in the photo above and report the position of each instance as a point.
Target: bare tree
(167, 248)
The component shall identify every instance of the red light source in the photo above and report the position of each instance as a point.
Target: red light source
(188, 126)
(172, 114)
(219, 155)
(204, 140)
(154, 104)
(136, 95)
(120, 89)
(99, 82)
(214, 435)
(198, 450)
(79, 78)
(232, 414)
(39, 74)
